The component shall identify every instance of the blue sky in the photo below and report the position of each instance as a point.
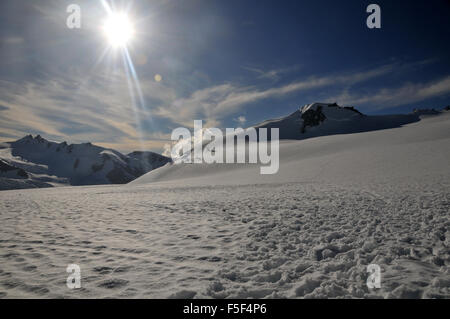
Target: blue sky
(228, 62)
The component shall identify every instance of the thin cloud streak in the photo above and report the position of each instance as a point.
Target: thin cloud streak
(219, 101)
(96, 110)
(391, 97)
(274, 74)
(99, 108)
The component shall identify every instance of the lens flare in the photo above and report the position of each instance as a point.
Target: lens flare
(119, 31)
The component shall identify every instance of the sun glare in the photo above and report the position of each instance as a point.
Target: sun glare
(118, 29)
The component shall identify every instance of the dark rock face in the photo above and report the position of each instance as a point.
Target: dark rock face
(5, 167)
(146, 161)
(312, 118)
(22, 173)
(118, 176)
(351, 108)
(97, 167)
(425, 112)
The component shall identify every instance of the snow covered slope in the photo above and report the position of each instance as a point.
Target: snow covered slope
(338, 204)
(47, 163)
(402, 152)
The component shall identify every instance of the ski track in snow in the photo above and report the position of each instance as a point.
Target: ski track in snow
(311, 240)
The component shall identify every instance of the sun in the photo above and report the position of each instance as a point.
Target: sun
(118, 29)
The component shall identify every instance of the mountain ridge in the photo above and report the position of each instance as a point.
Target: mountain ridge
(44, 163)
(321, 119)
(32, 162)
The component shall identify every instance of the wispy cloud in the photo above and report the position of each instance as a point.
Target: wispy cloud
(13, 40)
(241, 120)
(274, 74)
(97, 107)
(390, 97)
(78, 109)
(217, 102)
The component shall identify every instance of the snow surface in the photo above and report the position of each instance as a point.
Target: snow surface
(338, 204)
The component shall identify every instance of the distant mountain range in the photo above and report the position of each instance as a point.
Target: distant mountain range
(36, 162)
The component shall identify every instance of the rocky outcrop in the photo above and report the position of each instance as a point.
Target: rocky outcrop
(11, 171)
(312, 117)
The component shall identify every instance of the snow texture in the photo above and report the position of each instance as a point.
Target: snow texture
(338, 204)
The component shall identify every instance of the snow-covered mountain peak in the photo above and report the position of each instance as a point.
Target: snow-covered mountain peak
(313, 106)
(319, 119)
(48, 163)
